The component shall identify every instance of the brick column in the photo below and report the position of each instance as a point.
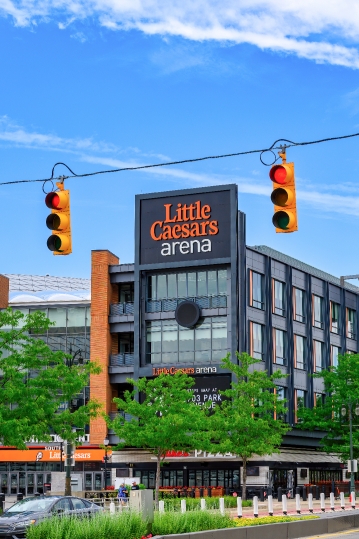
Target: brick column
(102, 295)
(4, 291)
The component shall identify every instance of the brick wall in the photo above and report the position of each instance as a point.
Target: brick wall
(4, 291)
(103, 293)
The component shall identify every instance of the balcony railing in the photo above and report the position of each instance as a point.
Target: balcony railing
(119, 360)
(117, 309)
(205, 302)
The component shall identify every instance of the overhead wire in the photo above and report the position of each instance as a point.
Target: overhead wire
(183, 161)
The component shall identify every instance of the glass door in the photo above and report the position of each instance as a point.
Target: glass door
(22, 483)
(14, 483)
(98, 480)
(4, 483)
(30, 483)
(88, 480)
(40, 483)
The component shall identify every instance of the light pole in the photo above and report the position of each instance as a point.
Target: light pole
(344, 413)
(105, 443)
(70, 361)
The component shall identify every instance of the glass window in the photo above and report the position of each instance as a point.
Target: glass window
(300, 401)
(318, 399)
(278, 300)
(334, 355)
(279, 347)
(318, 356)
(257, 340)
(202, 283)
(77, 503)
(167, 342)
(299, 358)
(192, 277)
(317, 311)
(222, 281)
(334, 317)
(281, 393)
(351, 334)
(172, 285)
(161, 287)
(212, 283)
(256, 292)
(182, 285)
(76, 317)
(299, 305)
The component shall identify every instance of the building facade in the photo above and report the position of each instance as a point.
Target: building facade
(190, 245)
(67, 303)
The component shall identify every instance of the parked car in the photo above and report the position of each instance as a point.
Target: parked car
(30, 511)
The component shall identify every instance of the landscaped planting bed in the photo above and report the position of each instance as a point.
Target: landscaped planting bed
(230, 502)
(131, 526)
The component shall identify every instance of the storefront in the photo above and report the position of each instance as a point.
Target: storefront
(30, 471)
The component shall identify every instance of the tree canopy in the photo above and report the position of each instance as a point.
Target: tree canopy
(163, 417)
(36, 384)
(250, 420)
(330, 413)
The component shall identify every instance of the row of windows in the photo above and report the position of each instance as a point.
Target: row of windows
(167, 342)
(280, 349)
(256, 299)
(65, 319)
(300, 400)
(187, 284)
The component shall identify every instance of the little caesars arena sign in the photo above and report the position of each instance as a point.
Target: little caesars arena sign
(185, 227)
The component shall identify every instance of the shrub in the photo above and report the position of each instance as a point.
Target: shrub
(192, 521)
(103, 526)
(269, 520)
(211, 503)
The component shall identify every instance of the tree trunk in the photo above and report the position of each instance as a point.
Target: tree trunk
(244, 483)
(158, 477)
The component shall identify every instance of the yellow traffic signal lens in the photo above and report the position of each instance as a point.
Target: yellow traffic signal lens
(281, 174)
(284, 220)
(58, 242)
(282, 197)
(56, 221)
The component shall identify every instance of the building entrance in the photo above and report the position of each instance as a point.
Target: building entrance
(93, 480)
(25, 482)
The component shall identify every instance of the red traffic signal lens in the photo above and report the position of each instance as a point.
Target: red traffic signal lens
(52, 200)
(282, 197)
(280, 174)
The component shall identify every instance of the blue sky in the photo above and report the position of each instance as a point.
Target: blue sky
(110, 83)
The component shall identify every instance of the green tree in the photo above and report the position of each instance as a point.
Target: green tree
(35, 382)
(164, 418)
(250, 420)
(331, 411)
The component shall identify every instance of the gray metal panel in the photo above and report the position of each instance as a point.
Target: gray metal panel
(334, 293)
(284, 370)
(350, 300)
(122, 327)
(117, 378)
(351, 345)
(185, 264)
(299, 329)
(301, 379)
(317, 287)
(298, 278)
(256, 315)
(318, 385)
(279, 271)
(318, 334)
(127, 277)
(279, 322)
(120, 319)
(335, 339)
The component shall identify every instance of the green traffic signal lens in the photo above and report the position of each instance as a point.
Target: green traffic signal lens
(281, 220)
(279, 197)
(54, 243)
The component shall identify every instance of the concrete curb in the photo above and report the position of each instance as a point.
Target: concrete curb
(283, 530)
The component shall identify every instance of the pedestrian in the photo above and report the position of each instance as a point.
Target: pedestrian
(122, 494)
(135, 486)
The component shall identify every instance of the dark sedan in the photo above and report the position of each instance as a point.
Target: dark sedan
(30, 511)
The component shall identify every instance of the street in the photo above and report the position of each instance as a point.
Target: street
(350, 534)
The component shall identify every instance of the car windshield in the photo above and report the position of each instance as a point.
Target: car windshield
(31, 505)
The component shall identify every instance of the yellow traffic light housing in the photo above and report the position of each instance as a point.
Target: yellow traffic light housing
(59, 221)
(283, 196)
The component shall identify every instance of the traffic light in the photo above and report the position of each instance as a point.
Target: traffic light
(59, 221)
(283, 196)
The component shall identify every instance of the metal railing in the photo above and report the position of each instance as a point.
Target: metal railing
(117, 309)
(205, 302)
(119, 360)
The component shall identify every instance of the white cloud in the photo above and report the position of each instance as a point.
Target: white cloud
(333, 199)
(326, 32)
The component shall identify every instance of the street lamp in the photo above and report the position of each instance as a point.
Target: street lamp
(105, 443)
(75, 359)
(344, 413)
